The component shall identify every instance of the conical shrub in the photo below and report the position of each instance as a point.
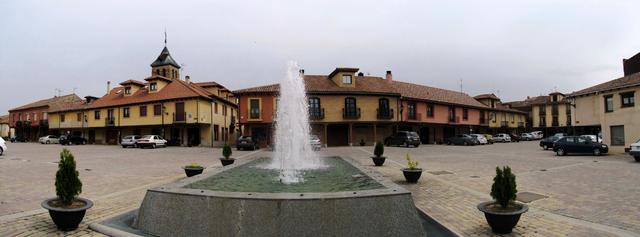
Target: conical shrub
(68, 185)
(504, 189)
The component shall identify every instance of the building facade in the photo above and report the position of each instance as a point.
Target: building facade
(31, 120)
(5, 130)
(547, 113)
(348, 108)
(502, 118)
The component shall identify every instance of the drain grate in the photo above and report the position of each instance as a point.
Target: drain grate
(439, 172)
(474, 176)
(528, 197)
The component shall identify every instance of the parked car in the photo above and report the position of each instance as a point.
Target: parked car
(593, 138)
(537, 135)
(481, 139)
(548, 142)
(3, 146)
(19, 139)
(246, 142)
(560, 134)
(635, 151)
(316, 144)
(49, 139)
(489, 138)
(72, 140)
(403, 138)
(462, 139)
(514, 137)
(130, 141)
(526, 136)
(152, 141)
(501, 137)
(576, 144)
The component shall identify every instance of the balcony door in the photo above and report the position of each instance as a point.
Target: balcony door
(180, 115)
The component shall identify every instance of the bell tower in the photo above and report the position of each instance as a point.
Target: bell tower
(164, 65)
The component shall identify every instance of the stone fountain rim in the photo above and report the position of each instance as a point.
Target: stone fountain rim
(390, 188)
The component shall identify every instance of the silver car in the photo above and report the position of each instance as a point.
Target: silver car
(152, 141)
(49, 139)
(316, 144)
(130, 141)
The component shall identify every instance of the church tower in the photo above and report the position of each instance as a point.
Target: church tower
(165, 65)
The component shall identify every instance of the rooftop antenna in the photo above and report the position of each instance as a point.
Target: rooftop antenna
(57, 91)
(461, 85)
(74, 90)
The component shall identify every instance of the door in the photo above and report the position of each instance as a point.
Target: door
(583, 145)
(180, 115)
(92, 136)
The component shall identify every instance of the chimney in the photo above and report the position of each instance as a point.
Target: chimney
(187, 78)
(108, 86)
(389, 76)
(360, 74)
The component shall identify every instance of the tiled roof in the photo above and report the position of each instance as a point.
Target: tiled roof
(486, 96)
(176, 89)
(376, 85)
(165, 59)
(50, 102)
(69, 106)
(501, 107)
(210, 84)
(623, 82)
(128, 82)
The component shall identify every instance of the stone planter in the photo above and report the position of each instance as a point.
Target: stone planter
(192, 171)
(412, 175)
(227, 161)
(501, 222)
(67, 218)
(378, 161)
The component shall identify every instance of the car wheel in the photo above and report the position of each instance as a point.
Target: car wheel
(1, 151)
(405, 144)
(84, 142)
(597, 152)
(153, 146)
(417, 145)
(237, 148)
(560, 152)
(637, 158)
(448, 142)
(545, 147)
(48, 142)
(123, 146)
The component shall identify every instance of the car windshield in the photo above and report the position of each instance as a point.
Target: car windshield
(128, 137)
(147, 137)
(413, 134)
(245, 138)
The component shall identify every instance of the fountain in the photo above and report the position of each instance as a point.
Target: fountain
(293, 193)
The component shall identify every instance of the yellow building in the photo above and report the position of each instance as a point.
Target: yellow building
(502, 118)
(183, 112)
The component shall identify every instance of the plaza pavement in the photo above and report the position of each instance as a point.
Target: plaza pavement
(586, 195)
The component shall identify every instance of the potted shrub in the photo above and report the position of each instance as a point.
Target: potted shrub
(226, 153)
(412, 173)
(378, 159)
(503, 213)
(193, 169)
(67, 209)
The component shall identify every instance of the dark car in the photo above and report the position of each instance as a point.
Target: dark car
(72, 139)
(18, 139)
(548, 142)
(574, 144)
(515, 137)
(403, 138)
(462, 139)
(246, 142)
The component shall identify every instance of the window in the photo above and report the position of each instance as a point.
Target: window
(143, 111)
(125, 112)
(627, 99)
(127, 90)
(430, 110)
(35, 117)
(350, 106)
(254, 108)
(582, 140)
(224, 110)
(215, 107)
(411, 111)
(164, 72)
(346, 79)
(608, 103)
(617, 135)
(96, 114)
(493, 103)
(153, 86)
(570, 139)
(78, 117)
(452, 114)
(216, 132)
(543, 109)
(45, 116)
(465, 114)
(157, 110)
(314, 107)
(513, 118)
(61, 117)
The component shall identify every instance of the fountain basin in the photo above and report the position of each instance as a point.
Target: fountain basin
(196, 207)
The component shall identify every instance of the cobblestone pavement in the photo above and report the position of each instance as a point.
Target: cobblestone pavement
(585, 198)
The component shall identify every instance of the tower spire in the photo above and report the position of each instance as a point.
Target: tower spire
(165, 37)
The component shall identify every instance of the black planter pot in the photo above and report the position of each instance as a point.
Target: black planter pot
(637, 158)
(226, 161)
(378, 161)
(192, 171)
(66, 219)
(413, 175)
(501, 222)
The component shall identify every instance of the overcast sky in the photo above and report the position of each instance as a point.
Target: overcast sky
(511, 49)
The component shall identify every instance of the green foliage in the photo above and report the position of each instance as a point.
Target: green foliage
(226, 151)
(504, 189)
(193, 166)
(379, 149)
(411, 164)
(68, 185)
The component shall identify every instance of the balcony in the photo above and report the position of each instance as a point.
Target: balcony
(384, 114)
(351, 114)
(255, 114)
(416, 116)
(453, 119)
(316, 114)
(504, 124)
(109, 122)
(179, 117)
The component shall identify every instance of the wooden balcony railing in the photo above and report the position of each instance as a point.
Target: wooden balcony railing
(504, 124)
(109, 122)
(351, 114)
(384, 114)
(416, 116)
(316, 114)
(180, 117)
